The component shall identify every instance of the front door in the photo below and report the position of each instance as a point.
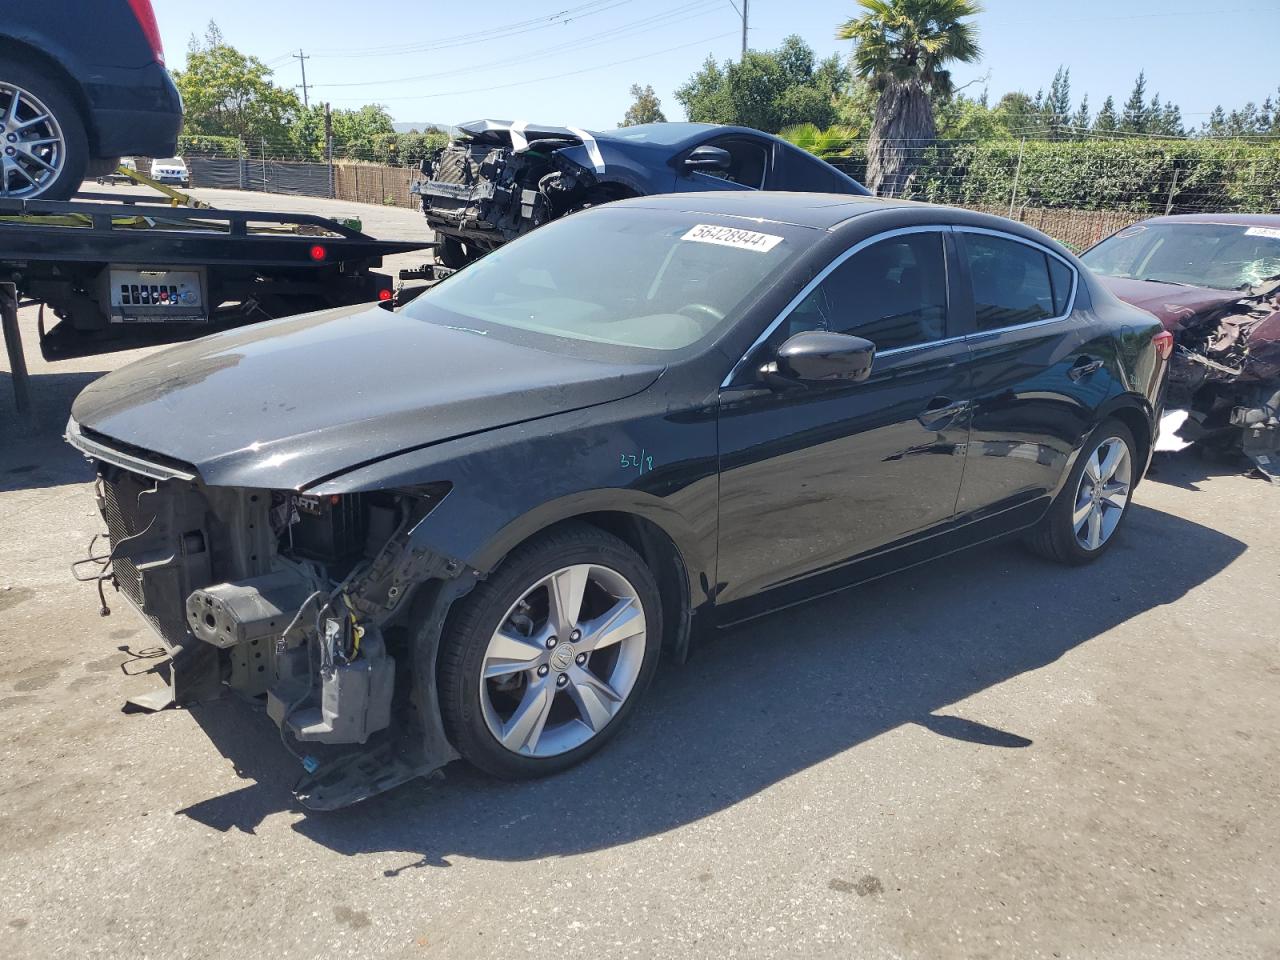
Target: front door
(813, 476)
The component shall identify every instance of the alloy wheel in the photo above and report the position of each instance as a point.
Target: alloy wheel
(33, 148)
(1103, 493)
(563, 661)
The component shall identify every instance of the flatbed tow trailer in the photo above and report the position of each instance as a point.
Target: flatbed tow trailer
(121, 271)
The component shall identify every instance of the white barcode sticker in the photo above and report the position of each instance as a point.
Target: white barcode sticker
(1272, 232)
(733, 237)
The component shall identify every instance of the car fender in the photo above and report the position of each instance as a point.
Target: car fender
(610, 165)
(510, 483)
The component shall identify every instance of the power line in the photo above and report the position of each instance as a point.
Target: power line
(647, 24)
(476, 36)
(553, 76)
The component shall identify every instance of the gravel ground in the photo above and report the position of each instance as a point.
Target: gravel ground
(986, 757)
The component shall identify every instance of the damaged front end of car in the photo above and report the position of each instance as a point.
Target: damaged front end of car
(1224, 378)
(326, 609)
(498, 181)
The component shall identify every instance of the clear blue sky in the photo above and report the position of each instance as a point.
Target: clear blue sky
(422, 62)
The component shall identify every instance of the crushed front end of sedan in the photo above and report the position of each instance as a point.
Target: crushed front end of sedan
(1225, 373)
(1213, 280)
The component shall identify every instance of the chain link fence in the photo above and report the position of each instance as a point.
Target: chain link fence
(1076, 191)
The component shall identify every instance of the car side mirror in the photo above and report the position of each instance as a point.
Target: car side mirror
(708, 158)
(816, 356)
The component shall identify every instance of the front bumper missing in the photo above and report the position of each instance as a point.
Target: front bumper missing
(263, 631)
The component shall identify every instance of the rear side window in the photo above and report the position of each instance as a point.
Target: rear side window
(893, 293)
(1011, 282)
(1061, 276)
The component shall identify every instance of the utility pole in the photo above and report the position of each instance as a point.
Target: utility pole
(328, 144)
(743, 14)
(302, 59)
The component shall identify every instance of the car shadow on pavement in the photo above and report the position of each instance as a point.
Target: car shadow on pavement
(32, 451)
(759, 703)
(1189, 468)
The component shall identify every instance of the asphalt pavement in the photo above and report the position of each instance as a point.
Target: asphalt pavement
(988, 756)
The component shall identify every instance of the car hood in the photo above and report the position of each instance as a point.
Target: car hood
(1171, 304)
(288, 403)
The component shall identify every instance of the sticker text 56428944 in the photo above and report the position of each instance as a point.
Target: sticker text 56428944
(733, 237)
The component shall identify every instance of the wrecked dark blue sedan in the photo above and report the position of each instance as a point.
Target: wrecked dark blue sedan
(501, 179)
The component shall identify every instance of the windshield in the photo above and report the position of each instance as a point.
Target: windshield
(1217, 255)
(619, 276)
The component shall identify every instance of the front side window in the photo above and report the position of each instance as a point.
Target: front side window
(893, 293)
(748, 162)
(1011, 282)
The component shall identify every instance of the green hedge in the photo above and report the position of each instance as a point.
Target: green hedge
(208, 146)
(1135, 175)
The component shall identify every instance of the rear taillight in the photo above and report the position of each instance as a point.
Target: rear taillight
(1163, 342)
(147, 21)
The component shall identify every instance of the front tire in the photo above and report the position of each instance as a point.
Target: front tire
(1082, 523)
(543, 663)
(42, 138)
(451, 253)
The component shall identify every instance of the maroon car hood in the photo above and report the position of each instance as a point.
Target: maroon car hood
(1171, 304)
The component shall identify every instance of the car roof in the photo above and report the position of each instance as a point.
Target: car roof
(818, 210)
(1231, 219)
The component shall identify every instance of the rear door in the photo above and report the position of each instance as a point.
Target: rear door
(1040, 369)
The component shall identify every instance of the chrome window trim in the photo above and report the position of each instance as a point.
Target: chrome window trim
(1071, 298)
(822, 275)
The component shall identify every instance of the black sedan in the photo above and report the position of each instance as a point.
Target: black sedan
(471, 526)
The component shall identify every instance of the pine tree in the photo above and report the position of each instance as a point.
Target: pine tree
(1216, 125)
(1057, 106)
(1266, 116)
(1171, 121)
(1135, 119)
(1105, 121)
(1080, 120)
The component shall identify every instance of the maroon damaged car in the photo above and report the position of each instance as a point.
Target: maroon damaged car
(1213, 280)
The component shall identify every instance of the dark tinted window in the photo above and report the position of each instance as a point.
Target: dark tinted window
(893, 293)
(748, 161)
(1010, 281)
(1061, 276)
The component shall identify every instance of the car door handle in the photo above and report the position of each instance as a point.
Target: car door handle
(1083, 367)
(940, 411)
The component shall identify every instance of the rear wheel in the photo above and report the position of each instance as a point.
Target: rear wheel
(43, 148)
(545, 660)
(1086, 515)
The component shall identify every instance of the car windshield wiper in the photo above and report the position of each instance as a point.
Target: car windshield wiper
(1175, 283)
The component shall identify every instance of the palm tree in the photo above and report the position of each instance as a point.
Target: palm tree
(903, 48)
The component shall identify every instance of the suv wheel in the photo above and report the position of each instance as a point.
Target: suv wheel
(43, 148)
(1084, 518)
(545, 660)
